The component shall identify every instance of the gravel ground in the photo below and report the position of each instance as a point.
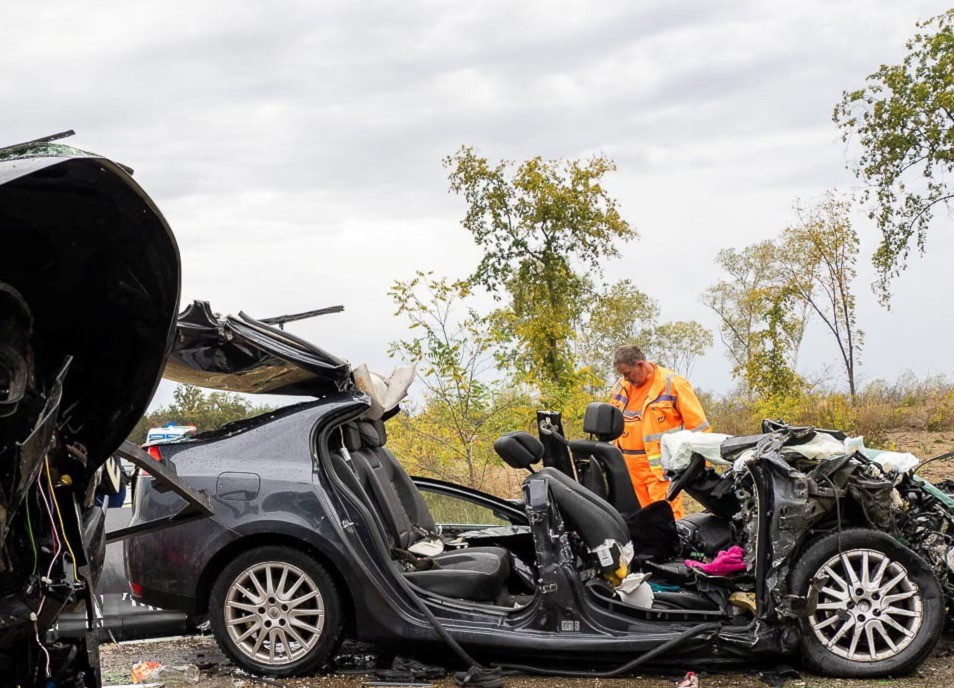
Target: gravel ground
(217, 672)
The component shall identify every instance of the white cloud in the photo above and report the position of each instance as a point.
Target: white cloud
(296, 147)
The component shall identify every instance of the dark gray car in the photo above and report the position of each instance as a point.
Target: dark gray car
(318, 532)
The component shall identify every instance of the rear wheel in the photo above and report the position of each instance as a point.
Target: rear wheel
(878, 607)
(276, 611)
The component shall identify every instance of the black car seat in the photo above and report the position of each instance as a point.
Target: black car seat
(596, 521)
(591, 516)
(476, 573)
(607, 475)
(651, 531)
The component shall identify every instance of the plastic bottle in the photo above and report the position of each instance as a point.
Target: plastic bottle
(186, 672)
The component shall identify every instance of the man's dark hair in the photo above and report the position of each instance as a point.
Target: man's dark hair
(630, 354)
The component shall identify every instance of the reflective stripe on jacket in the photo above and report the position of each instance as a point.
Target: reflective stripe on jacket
(671, 405)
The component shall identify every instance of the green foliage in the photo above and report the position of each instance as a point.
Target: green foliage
(466, 405)
(760, 324)
(768, 372)
(193, 406)
(546, 228)
(772, 287)
(941, 416)
(546, 299)
(904, 122)
(620, 314)
(818, 257)
(888, 415)
(677, 344)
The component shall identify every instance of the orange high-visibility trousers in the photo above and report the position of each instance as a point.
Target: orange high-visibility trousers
(649, 486)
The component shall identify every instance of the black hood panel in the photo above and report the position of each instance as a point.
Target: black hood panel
(98, 267)
(241, 354)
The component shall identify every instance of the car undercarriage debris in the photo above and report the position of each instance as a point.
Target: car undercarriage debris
(89, 289)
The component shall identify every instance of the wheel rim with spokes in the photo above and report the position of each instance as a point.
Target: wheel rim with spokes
(274, 613)
(868, 607)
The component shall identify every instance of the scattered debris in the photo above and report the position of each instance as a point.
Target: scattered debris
(726, 563)
(405, 671)
(144, 672)
(252, 677)
(779, 676)
(690, 681)
(480, 677)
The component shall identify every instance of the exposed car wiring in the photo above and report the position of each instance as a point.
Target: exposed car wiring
(32, 538)
(837, 508)
(56, 553)
(59, 513)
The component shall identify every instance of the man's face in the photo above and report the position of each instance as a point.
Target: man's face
(635, 375)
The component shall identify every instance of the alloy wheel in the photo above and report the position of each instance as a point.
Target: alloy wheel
(868, 607)
(274, 613)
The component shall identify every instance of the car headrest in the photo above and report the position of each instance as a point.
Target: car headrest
(519, 449)
(603, 420)
(351, 437)
(372, 433)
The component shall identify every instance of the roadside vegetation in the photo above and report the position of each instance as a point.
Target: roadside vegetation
(193, 406)
(547, 228)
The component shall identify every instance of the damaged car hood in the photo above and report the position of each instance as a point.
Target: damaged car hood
(93, 259)
(242, 354)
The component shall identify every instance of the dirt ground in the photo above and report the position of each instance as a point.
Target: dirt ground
(926, 445)
(217, 672)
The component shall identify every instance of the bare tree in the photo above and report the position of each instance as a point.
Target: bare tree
(743, 301)
(818, 258)
(678, 344)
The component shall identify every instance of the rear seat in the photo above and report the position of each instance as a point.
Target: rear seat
(475, 573)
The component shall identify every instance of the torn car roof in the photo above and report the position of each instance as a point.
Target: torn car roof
(242, 354)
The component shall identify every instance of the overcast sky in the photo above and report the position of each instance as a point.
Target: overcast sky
(295, 148)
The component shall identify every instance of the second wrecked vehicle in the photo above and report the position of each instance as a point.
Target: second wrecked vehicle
(89, 290)
(319, 532)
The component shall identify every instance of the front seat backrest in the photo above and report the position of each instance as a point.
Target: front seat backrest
(593, 518)
(605, 422)
(373, 437)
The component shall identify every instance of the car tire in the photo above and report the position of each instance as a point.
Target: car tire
(878, 609)
(276, 611)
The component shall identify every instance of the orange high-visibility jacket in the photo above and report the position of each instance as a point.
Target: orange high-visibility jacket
(671, 405)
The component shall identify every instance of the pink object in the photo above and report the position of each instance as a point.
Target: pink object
(690, 681)
(727, 562)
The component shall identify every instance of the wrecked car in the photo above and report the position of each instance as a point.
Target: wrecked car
(319, 532)
(89, 290)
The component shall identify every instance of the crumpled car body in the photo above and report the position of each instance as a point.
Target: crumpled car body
(89, 289)
(242, 354)
(310, 498)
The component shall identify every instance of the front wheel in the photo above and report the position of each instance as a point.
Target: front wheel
(878, 607)
(276, 611)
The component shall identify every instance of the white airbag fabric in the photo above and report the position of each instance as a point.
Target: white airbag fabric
(824, 447)
(385, 392)
(678, 448)
(427, 548)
